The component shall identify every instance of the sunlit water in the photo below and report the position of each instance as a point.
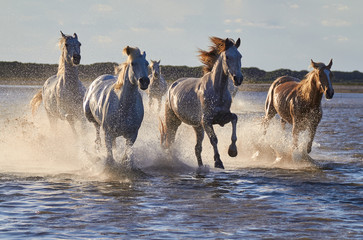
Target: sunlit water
(55, 186)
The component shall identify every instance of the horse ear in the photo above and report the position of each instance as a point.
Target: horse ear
(238, 43)
(330, 64)
(144, 54)
(126, 50)
(62, 34)
(228, 43)
(75, 35)
(313, 64)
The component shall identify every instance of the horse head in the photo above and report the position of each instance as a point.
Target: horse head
(155, 68)
(138, 73)
(324, 78)
(232, 61)
(71, 48)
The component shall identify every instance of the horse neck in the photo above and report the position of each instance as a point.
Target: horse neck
(309, 90)
(127, 89)
(218, 77)
(67, 73)
(156, 81)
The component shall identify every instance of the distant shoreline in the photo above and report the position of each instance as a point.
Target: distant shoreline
(247, 87)
(263, 87)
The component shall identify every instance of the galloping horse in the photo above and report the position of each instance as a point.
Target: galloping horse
(202, 102)
(115, 104)
(62, 94)
(158, 86)
(299, 102)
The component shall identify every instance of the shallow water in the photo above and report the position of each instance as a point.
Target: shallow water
(55, 186)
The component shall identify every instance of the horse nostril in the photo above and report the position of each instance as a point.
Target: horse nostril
(144, 83)
(76, 59)
(237, 80)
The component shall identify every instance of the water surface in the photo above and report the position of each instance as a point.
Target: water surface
(55, 186)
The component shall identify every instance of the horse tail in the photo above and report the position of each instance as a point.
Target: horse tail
(270, 94)
(36, 101)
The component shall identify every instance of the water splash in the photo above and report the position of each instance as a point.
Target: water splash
(29, 145)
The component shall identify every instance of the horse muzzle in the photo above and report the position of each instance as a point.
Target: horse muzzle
(144, 83)
(329, 93)
(237, 80)
(76, 59)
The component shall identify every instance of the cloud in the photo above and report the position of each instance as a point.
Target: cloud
(335, 23)
(174, 30)
(103, 8)
(337, 38)
(139, 29)
(342, 39)
(337, 6)
(103, 39)
(294, 6)
(237, 30)
(247, 23)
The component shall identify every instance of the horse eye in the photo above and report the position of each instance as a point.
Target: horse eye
(66, 44)
(133, 64)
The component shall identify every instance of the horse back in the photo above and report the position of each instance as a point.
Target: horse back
(280, 96)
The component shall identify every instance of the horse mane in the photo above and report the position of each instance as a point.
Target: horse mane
(121, 69)
(305, 85)
(209, 58)
(62, 47)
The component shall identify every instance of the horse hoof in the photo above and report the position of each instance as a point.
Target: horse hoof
(218, 164)
(232, 151)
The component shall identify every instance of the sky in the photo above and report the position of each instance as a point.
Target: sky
(274, 33)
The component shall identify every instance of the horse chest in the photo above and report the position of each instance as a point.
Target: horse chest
(122, 116)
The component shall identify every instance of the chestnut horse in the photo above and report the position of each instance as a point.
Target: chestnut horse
(202, 102)
(299, 102)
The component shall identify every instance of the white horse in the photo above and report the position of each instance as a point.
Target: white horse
(115, 104)
(158, 85)
(202, 102)
(62, 94)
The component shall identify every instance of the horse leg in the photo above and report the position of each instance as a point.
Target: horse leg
(52, 122)
(130, 140)
(98, 138)
(283, 124)
(270, 113)
(172, 123)
(232, 150)
(312, 131)
(199, 131)
(208, 127)
(296, 129)
(108, 142)
(159, 104)
(71, 121)
(150, 102)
